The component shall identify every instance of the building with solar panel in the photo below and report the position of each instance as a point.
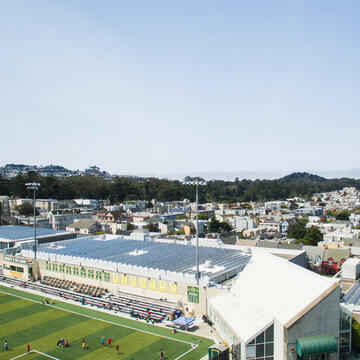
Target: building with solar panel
(156, 269)
(264, 306)
(12, 236)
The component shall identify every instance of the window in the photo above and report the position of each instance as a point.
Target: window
(106, 276)
(262, 347)
(61, 268)
(83, 272)
(54, 267)
(317, 260)
(16, 269)
(75, 270)
(98, 275)
(345, 332)
(48, 265)
(90, 274)
(68, 269)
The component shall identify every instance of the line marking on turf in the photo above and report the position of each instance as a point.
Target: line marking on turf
(34, 351)
(193, 346)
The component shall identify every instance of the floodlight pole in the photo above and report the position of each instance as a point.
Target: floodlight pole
(197, 234)
(34, 186)
(197, 182)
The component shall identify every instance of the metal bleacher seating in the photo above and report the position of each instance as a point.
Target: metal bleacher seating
(137, 306)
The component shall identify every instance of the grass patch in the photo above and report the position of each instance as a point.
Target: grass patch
(24, 322)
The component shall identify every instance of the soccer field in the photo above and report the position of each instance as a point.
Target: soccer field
(24, 320)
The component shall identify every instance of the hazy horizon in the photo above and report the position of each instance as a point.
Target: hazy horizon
(188, 87)
(230, 175)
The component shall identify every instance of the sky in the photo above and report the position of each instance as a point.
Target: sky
(186, 87)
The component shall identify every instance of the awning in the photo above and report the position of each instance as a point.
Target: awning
(322, 344)
(183, 321)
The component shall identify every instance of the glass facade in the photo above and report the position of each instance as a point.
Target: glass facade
(222, 327)
(345, 334)
(262, 347)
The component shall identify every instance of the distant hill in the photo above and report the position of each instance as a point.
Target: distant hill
(303, 176)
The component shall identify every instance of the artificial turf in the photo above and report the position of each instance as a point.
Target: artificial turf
(25, 322)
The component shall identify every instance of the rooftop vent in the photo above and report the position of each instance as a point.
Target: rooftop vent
(137, 252)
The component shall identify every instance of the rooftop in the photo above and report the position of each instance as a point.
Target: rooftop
(275, 289)
(151, 254)
(18, 233)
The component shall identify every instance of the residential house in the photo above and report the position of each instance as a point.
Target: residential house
(333, 259)
(84, 227)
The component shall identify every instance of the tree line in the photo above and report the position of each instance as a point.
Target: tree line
(123, 189)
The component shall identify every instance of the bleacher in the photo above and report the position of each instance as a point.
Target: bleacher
(135, 305)
(59, 283)
(143, 307)
(86, 289)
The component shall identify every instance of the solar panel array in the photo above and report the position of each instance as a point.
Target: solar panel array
(353, 295)
(157, 255)
(13, 232)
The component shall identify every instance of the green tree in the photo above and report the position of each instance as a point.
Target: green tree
(225, 227)
(152, 228)
(342, 215)
(302, 221)
(203, 217)
(26, 209)
(130, 226)
(214, 226)
(312, 236)
(296, 231)
(355, 334)
(293, 205)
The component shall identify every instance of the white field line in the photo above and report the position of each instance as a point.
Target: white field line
(34, 351)
(186, 352)
(193, 346)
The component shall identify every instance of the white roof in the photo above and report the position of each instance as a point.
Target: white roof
(268, 288)
(351, 261)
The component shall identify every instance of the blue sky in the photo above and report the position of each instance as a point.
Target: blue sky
(160, 87)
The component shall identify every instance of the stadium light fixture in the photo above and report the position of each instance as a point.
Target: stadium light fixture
(34, 186)
(197, 183)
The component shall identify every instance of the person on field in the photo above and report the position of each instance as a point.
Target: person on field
(102, 340)
(83, 344)
(117, 348)
(6, 346)
(109, 342)
(161, 354)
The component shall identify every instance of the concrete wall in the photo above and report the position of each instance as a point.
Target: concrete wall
(323, 319)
